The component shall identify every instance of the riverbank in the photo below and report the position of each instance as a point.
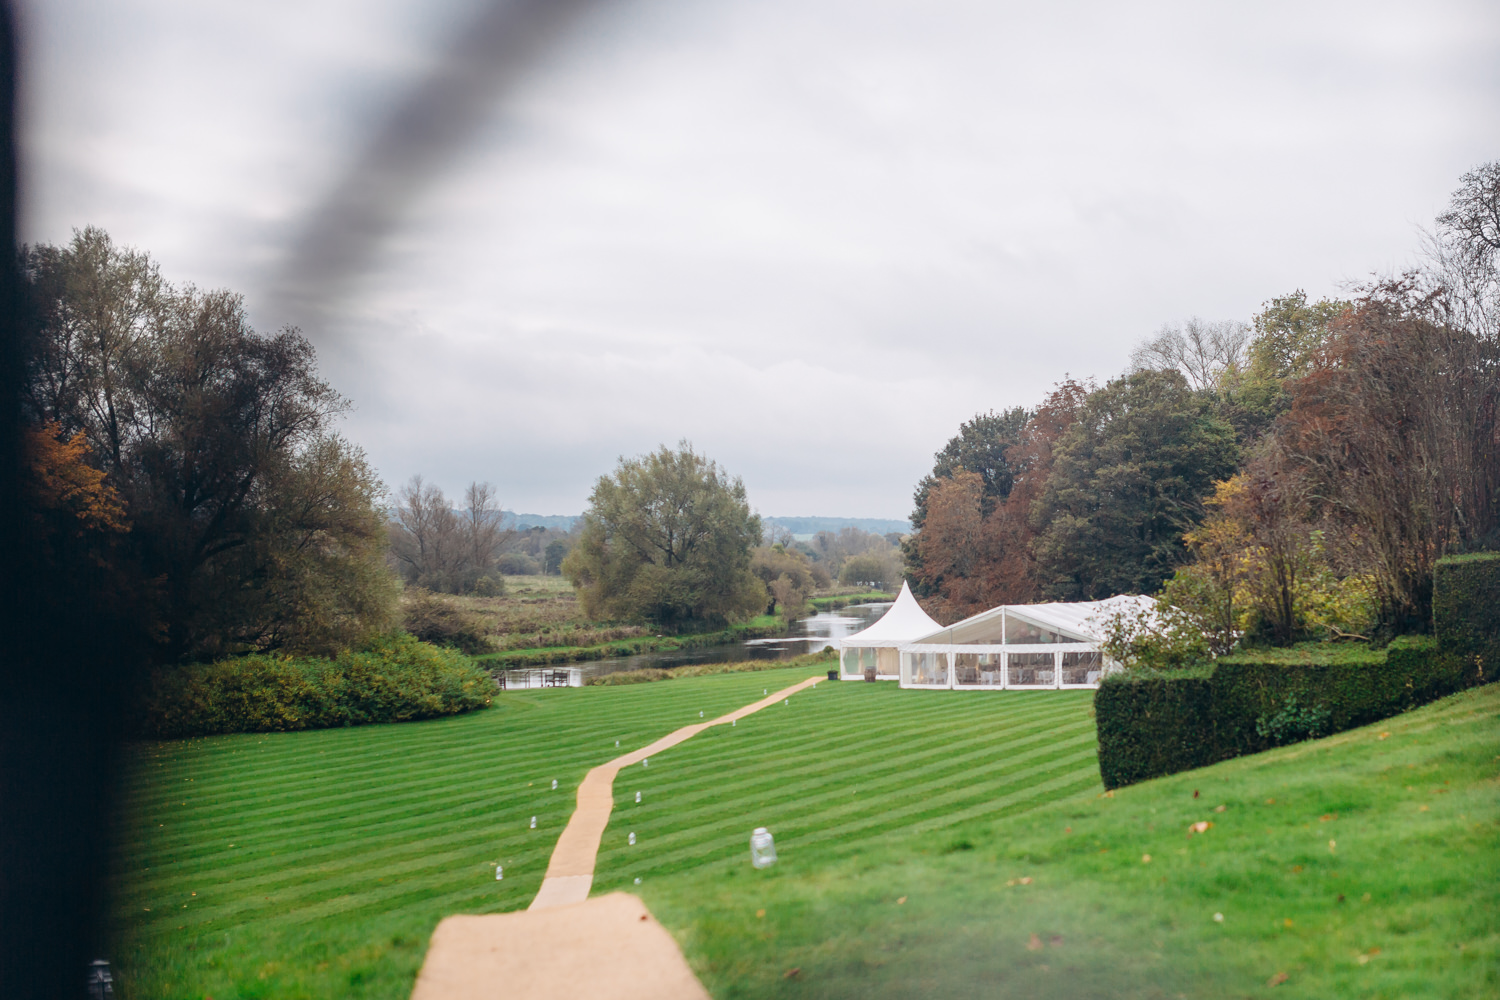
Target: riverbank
(835, 601)
(760, 627)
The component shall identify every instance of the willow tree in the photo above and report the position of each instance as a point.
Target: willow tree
(667, 538)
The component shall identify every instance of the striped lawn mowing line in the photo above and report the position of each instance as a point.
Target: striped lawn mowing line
(953, 807)
(707, 825)
(426, 805)
(880, 797)
(323, 844)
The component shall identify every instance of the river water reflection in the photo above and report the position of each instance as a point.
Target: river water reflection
(827, 628)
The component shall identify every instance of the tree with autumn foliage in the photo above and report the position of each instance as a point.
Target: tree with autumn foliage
(251, 524)
(974, 546)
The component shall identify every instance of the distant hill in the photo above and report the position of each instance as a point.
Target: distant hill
(559, 522)
(813, 525)
(803, 527)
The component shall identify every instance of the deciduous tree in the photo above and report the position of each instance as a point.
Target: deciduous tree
(667, 538)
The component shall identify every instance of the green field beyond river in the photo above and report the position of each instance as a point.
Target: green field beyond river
(933, 844)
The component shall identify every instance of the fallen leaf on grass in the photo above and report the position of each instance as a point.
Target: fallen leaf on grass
(1328, 817)
(791, 973)
(1287, 922)
(1384, 735)
(1270, 802)
(1332, 846)
(1035, 944)
(1421, 809)
(759, 914)
(1200, 827)
(1195, 793)
(1025, 880)
(1277, 979)
(1145, 859)
(901, 900)
(1219, 809)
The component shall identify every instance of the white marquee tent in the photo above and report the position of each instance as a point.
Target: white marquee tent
(877, 647)
(1017, 647)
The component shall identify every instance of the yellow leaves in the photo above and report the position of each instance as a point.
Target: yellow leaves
(1145, 859)
(1421, 809)
(1219, 809)
(1365, 956)
(62, 480)
(1277, 979)
(1332, 846)
(1328, 817)
(1383, 736)
(760, 914)
(1023, 880)
(901, 900)
(1201, 826)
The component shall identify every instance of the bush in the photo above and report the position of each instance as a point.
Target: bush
(490, 586)
(517, 564)
(441, 621)
(1466, 603)
(397, 679)
(1153, 725)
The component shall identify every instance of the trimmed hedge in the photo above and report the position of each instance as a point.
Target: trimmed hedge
(1466, 603)
(1153, 724)
(398, 679)
(1150, 726)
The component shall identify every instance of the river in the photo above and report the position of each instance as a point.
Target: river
(809, 635)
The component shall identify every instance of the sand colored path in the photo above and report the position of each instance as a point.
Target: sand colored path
(570, 873)
(565, 944)
(607, 948)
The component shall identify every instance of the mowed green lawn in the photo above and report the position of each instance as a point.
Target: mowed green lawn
(1354, 866)
(349, 845)
(317, 864)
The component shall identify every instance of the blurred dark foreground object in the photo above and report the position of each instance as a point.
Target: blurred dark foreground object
(60, 681)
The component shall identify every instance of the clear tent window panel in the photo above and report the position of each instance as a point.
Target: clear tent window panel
(850, 660)
(1019, 632)
(1030, 669)
(929, 668)
(976, 669)
(985, 633)
(1082, 668)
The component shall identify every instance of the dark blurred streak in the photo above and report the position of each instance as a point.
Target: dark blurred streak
(435, 121)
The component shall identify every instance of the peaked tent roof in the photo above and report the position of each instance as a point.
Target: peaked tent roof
(902, 622)
(1084, 618)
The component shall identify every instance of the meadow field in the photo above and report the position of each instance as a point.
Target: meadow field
(932, 843)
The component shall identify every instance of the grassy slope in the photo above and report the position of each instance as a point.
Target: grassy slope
(350, 844)
(363, 838)
(1403, 829)
(316, 864)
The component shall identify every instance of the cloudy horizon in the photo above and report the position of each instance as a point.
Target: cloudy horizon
(809, 238)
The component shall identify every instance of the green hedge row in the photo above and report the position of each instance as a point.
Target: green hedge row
(1466, 603)
(398, 679)
(1151, 725)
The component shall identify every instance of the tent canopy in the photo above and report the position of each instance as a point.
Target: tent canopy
(1082, 621)
(902, 622)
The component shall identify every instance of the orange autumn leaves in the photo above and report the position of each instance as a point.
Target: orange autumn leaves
(61, 480)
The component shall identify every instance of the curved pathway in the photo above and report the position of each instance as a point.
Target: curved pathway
(570, 874)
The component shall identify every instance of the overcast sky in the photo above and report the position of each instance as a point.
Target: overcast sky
(811, 237)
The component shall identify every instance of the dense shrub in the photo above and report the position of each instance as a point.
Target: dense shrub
(397, 679)
(1152, 725)
(1466, 603)
(517, 564)
(440, 620)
